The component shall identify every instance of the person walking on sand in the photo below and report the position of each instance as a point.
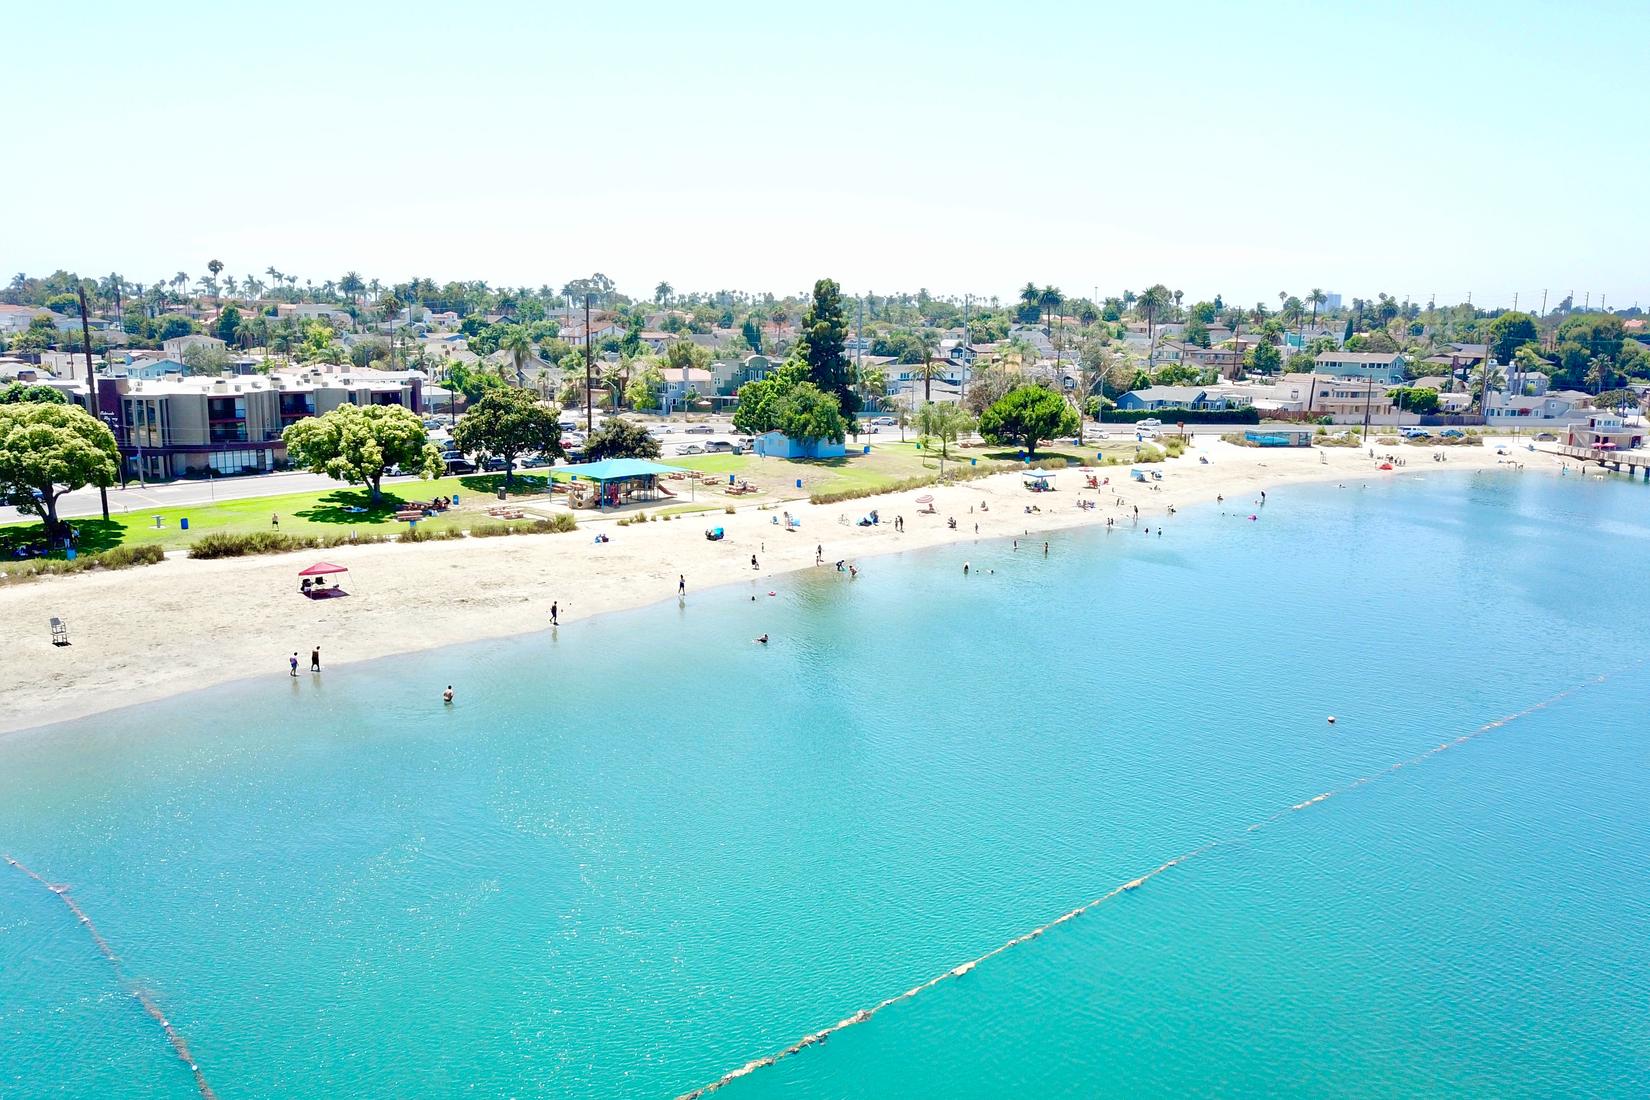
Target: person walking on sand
(293, 663)
(681, 584)
(315, 659)
(554, 611)
(819, 554)
(753, 562)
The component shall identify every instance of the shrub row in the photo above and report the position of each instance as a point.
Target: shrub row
(121, 557)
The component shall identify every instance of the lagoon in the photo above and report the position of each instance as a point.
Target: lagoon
(641, 851)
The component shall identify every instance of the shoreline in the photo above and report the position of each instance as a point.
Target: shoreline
(184, 625)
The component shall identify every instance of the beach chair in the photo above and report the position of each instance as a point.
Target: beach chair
(60, 631)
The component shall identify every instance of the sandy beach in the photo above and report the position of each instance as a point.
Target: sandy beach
(145, 633)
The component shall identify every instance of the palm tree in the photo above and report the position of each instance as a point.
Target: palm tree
(1179, 294)
(519, 344)
(872, 380)
(929, 341)
(216, 268)
(662, 293)
(1031, 297)
(1050, 299)
(1317, 297)
(1151, 304)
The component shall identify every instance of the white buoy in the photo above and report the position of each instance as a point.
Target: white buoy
(1332, 719)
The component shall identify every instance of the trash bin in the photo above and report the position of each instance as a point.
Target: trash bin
(867, 450)
(455, 498)
(799, 483)
(184, 523)
(70, 553)
(501, 494)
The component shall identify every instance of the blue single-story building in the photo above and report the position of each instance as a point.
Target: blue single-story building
(777, 444)
(1171, 397)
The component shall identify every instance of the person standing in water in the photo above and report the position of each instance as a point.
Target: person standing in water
(294, 663)
(681, 584)
(447, 696)
(315, 659)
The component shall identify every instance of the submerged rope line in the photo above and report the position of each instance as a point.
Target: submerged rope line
(865, 1014)
(142, 995)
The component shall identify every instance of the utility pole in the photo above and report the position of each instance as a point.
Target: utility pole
(91, 390)
(1543, 301)
(589, 349)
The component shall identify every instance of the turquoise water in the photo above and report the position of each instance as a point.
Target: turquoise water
(642, 851)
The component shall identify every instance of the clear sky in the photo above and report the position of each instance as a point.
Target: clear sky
(1240, 148)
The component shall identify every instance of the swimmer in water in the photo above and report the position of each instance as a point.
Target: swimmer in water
(763, 640)
(447, 696)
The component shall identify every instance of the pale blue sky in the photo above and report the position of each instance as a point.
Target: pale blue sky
(1239, 148)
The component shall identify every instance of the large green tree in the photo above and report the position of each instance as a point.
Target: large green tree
(1026, 416)
(822, 345)
(507, 423)
(48, 449)
(21, 393)
(620, 438)
(359, 443)
(809, 413)
(1509, 332)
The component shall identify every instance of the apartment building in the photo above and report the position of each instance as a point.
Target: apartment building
(176, 427)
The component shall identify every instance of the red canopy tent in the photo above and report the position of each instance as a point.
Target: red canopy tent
(319, 590)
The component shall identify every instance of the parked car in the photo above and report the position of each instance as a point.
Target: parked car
(885, 422)
(700, 429)
(1545, 437)
(457, 463)
(690, 449)
(1414, 433)
(1150, 422)
(495, 465)
(1452, 433)
(718, 446)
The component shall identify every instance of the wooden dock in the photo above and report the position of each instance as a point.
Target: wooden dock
(1619, 461)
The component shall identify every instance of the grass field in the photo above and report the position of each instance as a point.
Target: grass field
(317, 513)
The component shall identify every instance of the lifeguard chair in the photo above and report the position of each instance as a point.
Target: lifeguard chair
(60, 631)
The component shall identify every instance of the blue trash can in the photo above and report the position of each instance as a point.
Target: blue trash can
(455, 498)
(70, 552)
(799, 483)
(184, 523)
(973, 462)
(867, 450)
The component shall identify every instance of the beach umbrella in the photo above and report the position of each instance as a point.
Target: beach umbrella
(926, 498)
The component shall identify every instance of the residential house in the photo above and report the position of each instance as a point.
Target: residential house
(176, 347)
(1504, 408)
(1173, 397)
(1373, 366)
(682, 384)
(18, 318)
(599, 330)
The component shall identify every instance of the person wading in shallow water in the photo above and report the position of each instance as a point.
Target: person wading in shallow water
(315, 659)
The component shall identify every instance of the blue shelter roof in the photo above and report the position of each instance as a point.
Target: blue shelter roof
(616, 469)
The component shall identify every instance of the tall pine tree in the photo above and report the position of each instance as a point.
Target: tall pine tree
(821, 345)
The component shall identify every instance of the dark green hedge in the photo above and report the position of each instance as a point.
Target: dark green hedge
(1175, 416)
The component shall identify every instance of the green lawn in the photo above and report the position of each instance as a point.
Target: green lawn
(316, 513)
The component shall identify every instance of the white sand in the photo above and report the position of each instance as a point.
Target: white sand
(154, 631)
